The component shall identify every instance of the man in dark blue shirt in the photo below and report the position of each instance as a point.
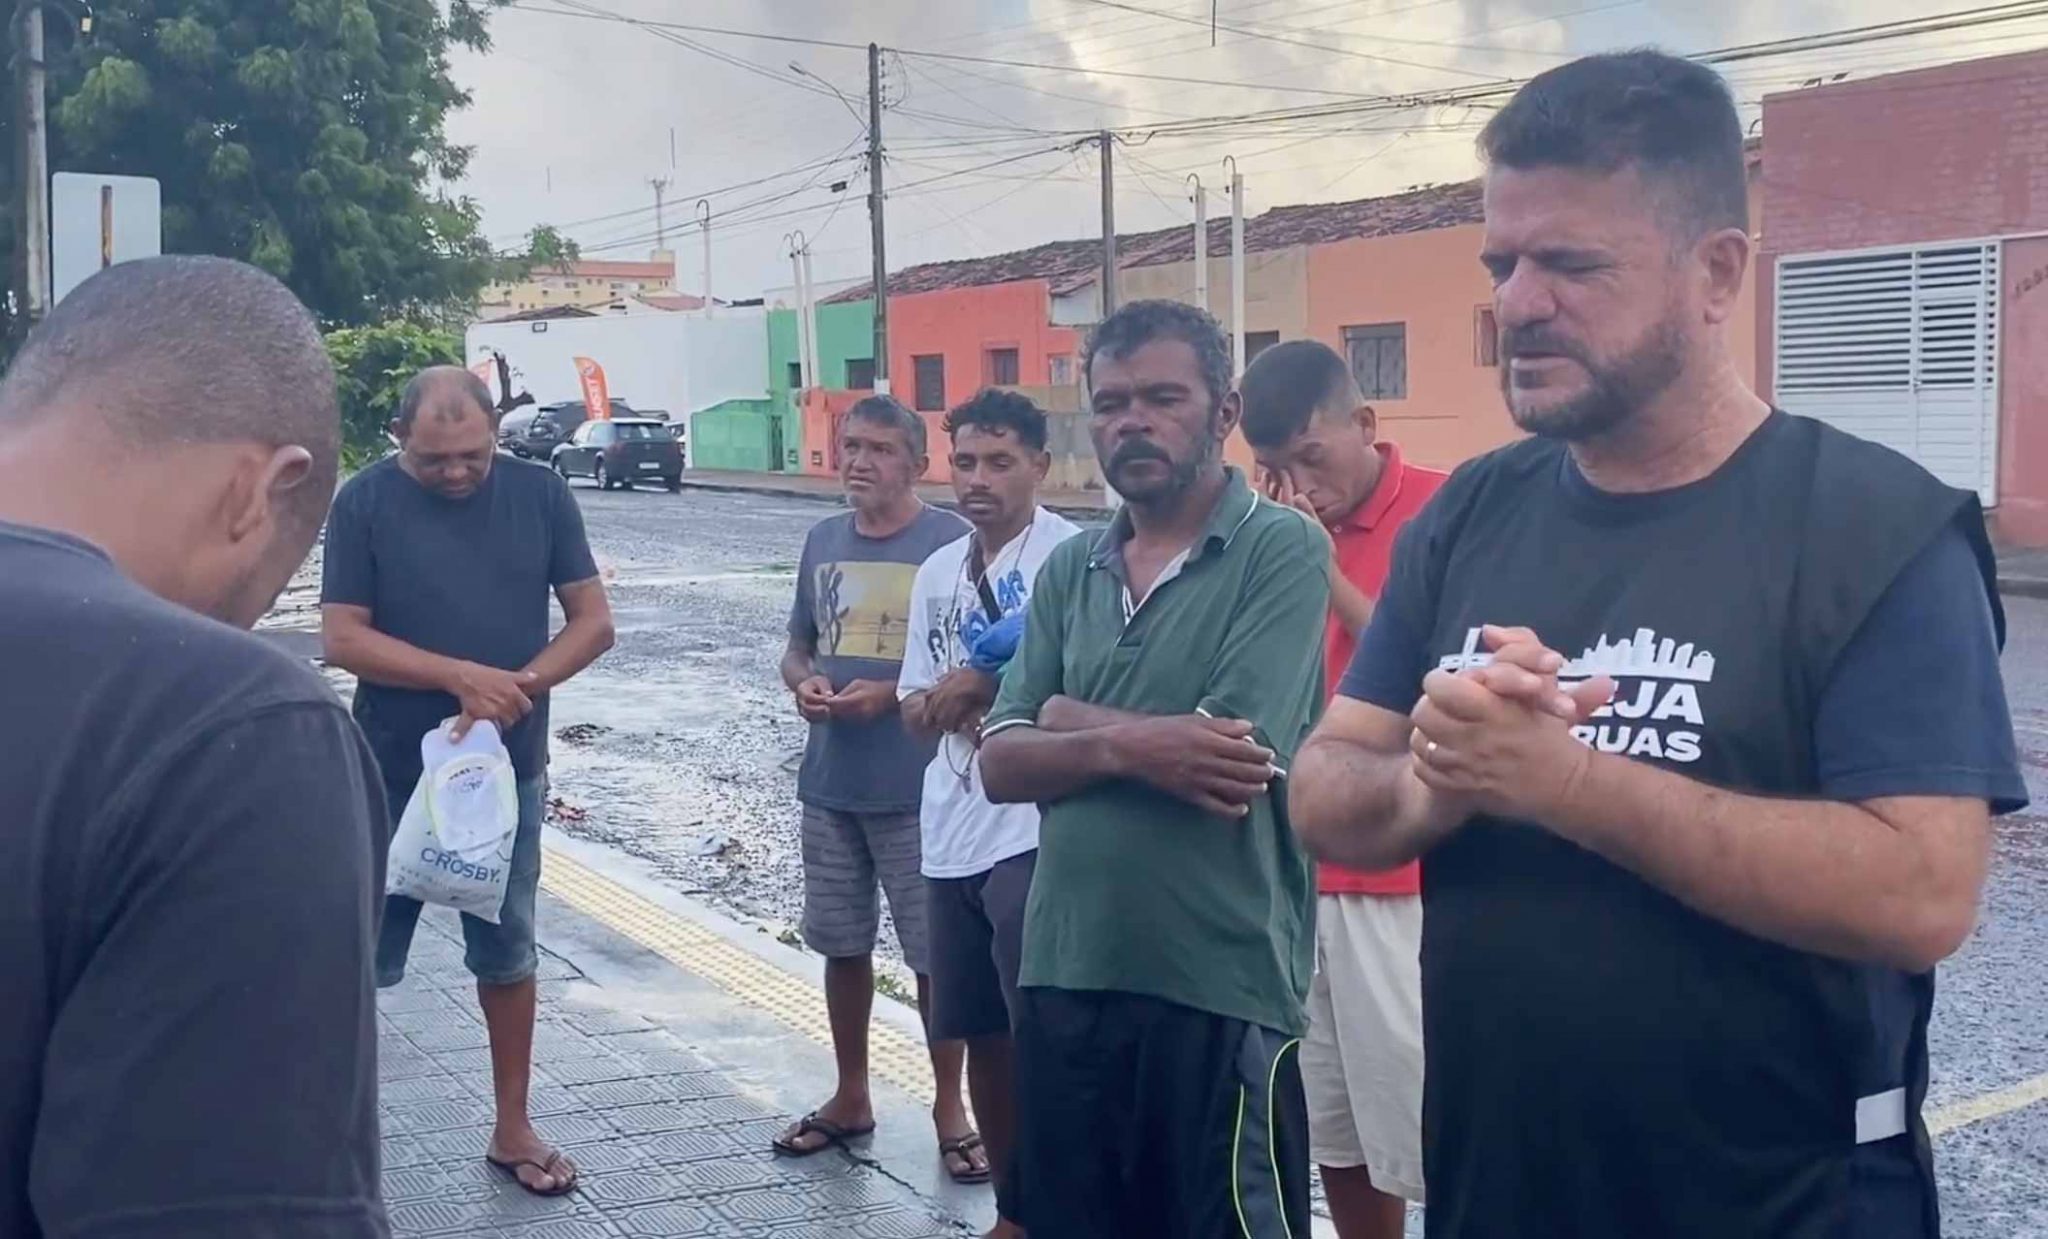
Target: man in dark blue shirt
(1691, 709)
(194, 835)
(439, 561)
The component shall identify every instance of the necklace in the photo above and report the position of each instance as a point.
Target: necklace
(976, 586)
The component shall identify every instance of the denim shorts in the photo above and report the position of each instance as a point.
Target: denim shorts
(500, 954)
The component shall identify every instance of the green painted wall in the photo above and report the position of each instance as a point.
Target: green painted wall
(735, 435)
(846, 331)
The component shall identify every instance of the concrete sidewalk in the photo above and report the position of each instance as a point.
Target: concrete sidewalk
(1080, 505)
(673, 1044)
(670, 1140)
(2023, 573)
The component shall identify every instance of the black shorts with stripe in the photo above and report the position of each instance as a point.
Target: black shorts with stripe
(1138, 1117)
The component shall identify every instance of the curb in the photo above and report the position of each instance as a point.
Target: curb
(1076, 512)
(2023, 587)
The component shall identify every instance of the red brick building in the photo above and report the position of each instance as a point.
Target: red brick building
(1906, 250)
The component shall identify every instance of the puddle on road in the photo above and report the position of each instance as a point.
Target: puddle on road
(690, 767)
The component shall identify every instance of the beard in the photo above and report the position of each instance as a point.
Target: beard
(1615, 390)
(1180, 474)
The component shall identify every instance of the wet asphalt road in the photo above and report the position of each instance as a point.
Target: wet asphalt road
(680, 747)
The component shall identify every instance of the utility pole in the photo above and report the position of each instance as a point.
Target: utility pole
(1236, 267)
(810, 315)
(881, 276)
(32, 165)
(704, 222)
(806, 377)
(1108, 225)
(1201, 242)
(660, 185)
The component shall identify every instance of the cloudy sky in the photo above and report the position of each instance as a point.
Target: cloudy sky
(575, 110)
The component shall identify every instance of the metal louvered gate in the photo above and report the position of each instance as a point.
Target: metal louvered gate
(1898, 346)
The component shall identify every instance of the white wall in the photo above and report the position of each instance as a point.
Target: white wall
(680, 362)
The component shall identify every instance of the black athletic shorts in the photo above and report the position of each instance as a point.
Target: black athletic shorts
(1138, 1118)
(976, 928)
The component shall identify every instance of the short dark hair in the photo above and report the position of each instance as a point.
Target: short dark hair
(1672, 120)
(1138, 323)
(441, 387)
(185, 349)
(888, 412)
(992, 408)
(1288, 384)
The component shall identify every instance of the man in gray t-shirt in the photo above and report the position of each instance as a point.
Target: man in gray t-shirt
(863, 771)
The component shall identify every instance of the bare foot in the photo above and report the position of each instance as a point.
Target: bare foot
(851, 1117)
(540, 1167)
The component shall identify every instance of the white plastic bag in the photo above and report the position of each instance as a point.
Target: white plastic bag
(454, 841)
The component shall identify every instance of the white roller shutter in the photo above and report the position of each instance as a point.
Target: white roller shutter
(1898, 346)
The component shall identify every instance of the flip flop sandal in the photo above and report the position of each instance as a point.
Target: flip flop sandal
(786, 1145)
(554, 1159)
(961, 1148)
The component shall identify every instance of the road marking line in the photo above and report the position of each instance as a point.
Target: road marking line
(893, 1055)
(1988, 1105)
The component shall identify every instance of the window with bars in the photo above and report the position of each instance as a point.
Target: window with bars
(860, 373)
(928, 387)
(1379, 359)
(1001, 367)
(1256, 342)
(1895, 320)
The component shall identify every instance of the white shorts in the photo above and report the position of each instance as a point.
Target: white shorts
(1361, 1063)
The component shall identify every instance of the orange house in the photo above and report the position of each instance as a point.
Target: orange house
(1412, 308)
(1393, 283)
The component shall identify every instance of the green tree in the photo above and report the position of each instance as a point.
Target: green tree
(547, 247)
(372, 365)
(305, 136)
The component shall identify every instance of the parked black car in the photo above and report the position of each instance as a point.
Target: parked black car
(512, 430)
(551, 426)
(620, 452)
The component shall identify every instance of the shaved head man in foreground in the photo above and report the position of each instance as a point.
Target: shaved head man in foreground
(193, 827)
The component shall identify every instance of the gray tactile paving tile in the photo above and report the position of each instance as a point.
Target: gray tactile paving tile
(667, 1144)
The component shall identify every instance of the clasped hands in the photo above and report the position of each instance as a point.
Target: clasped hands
(1497, 739)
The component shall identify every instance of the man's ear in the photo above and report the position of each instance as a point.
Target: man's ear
(1368, 422)
(261, 485)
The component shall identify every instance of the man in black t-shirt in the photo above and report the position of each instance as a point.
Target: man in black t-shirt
(1691, 709)
(439, 563)
(193, 833)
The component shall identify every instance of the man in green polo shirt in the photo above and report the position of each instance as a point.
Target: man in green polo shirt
(1168, 671)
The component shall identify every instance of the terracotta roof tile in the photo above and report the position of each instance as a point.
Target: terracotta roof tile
(1069, 265)
(542, 314)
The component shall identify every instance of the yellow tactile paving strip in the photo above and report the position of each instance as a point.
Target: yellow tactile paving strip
(892, 1055)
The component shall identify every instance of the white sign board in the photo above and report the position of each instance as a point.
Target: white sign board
(97, 221)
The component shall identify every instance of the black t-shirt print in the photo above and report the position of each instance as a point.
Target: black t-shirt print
(195, 838)
(1600, 1055)
(465, 578)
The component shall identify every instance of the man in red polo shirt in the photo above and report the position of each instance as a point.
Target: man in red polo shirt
(1361, 1063)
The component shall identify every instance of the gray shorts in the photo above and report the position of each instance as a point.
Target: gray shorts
(845, 856)
(977, 926)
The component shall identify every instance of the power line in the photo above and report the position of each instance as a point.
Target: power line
(931, 55)
(799, 170)
(1251, 32)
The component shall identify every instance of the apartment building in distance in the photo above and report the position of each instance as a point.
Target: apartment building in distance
(585, 283)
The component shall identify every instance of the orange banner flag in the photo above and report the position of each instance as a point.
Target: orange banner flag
(596, 397)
